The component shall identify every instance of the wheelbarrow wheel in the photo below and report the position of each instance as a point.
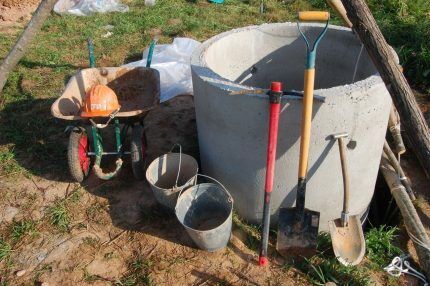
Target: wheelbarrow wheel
(77, 154)
(138, 152)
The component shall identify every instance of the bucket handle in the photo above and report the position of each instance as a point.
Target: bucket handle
(230, 198)
(180, 161)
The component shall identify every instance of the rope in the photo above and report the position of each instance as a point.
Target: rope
(399, 265)
(418, 241)
(356, 63)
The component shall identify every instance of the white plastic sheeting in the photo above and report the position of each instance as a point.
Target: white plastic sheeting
(88, 7)
(173, 63)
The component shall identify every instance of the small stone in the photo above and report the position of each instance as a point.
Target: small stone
(9, 214)
(21, 273)
(36, 215)
(44, 284)
(330, 284)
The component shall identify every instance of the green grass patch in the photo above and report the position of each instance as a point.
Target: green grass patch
(139, 273)
(252, 232)
(323, 270)
(59, 214)
(8, 163)
(5, 250)
(23, 228)
(406, 26)
(324, 267)
(380, 247)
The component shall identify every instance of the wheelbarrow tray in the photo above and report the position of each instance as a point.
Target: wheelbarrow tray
(138, 91)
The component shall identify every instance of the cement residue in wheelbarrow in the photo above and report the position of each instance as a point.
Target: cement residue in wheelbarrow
(229, 74)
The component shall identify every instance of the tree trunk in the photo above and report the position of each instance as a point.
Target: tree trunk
(417, 131)
(24, 41)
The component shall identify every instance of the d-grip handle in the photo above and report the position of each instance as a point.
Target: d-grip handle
(314, 16)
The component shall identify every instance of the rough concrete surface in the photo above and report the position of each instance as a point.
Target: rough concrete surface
(229, 72)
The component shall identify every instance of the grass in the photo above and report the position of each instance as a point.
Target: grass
(138, 273)
(5, 250)
(8, 163)
(380, 247)
(252, 232)
(323, 270)
(59, 212)
(31, 140)
(406, 26)
(23, 228)
(59, 216)
(324, 267)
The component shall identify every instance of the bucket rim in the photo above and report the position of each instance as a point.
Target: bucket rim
(152, 164)
(230, 201)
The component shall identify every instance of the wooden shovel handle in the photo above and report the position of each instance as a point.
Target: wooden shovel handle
(314, 16)
(345, 175)
(308, 97)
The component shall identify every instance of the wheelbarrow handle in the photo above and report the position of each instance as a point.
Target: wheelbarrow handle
(151, 52)
(313, 16)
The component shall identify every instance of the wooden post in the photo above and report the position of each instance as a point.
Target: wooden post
(413, 224)
(417, 131)
(24, 41)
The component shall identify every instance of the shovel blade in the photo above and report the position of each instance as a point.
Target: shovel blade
(297, 238)
(348, 241)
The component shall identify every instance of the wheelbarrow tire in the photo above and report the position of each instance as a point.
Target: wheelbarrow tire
(77, 157)
(138, 152)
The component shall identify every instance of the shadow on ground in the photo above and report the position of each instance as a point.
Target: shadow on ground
(132, 206)
(35, 138)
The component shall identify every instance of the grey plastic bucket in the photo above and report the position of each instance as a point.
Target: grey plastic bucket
(170, 173)
(205, 210)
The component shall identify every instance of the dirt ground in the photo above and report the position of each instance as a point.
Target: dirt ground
(117, 224)
(16, 13)
(114, 223)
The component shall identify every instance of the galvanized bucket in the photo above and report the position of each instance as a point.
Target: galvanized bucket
(169, 174)
(205, 210)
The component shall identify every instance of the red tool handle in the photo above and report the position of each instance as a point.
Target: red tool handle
(275, 107)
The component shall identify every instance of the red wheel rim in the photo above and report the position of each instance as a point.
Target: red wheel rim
(84, 159)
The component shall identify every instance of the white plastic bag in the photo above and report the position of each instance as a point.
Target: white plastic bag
(173, 63)
(88, 7)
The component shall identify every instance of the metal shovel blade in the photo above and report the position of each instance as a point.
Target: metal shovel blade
(297, 238)
(348, 241)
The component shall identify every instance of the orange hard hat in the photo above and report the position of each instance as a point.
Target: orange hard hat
(101, 101)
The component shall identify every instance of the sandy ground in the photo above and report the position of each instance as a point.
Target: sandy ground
(116, 223)
(113, 223)
(16, 13)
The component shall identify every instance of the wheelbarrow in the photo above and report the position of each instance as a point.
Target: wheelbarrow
(138, 91)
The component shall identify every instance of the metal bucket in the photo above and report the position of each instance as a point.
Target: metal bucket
(205, 210)
(169, 174)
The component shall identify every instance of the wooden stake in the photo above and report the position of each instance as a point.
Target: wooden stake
(413, 224)
(24, 41)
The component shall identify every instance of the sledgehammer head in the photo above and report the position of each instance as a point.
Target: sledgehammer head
(339, 135)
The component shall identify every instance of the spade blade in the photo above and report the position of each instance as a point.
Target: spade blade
(297, 233)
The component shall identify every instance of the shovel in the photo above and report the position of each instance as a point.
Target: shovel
(346, 232)
(298, 226)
